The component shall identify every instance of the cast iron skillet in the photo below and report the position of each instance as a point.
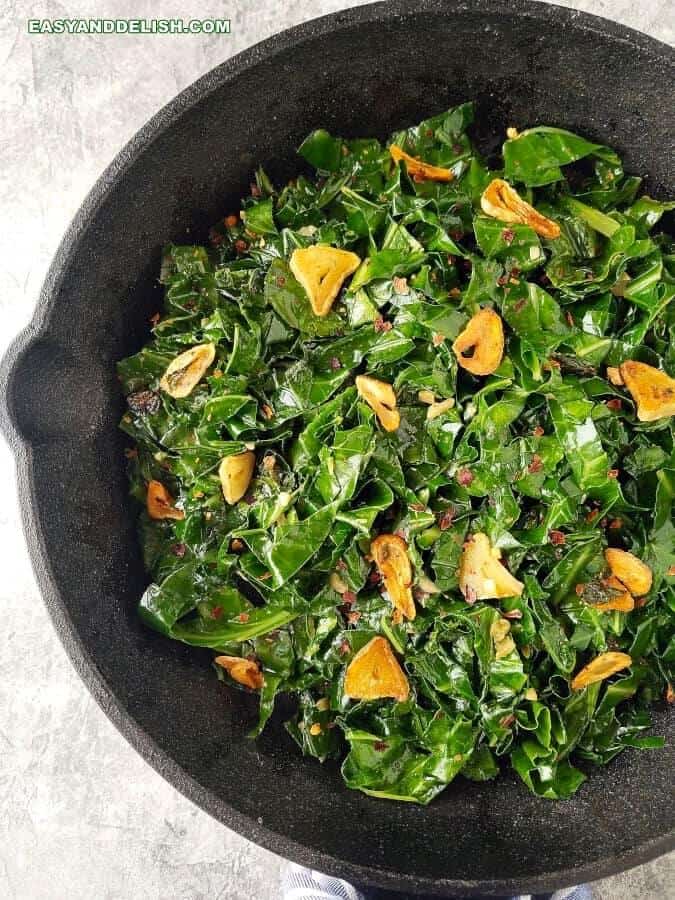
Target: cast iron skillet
(360, 72)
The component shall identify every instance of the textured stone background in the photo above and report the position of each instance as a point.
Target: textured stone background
(81, 815)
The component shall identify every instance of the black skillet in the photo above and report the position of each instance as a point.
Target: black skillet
(359, 72)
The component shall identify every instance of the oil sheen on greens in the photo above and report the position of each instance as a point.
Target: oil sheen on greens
(538, 438)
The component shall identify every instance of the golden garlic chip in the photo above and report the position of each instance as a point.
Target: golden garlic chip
(390, 554)
(621, 601)
(322, 271)
(631, 571)
(481, 575)
(235, 473)
(652, 390)
(418, 169)
(480, 347)
(375, 673)
(160, 504)
(245, 671)
(500, 201)
(380, 396)
(185, 372)
(600, 668)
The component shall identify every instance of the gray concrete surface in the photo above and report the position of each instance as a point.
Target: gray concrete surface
(81, 815)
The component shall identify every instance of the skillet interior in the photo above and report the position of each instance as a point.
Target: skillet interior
(358, 73)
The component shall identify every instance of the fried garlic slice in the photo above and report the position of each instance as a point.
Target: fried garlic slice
(375, 673)
(631, 571)
(418, 169)
(600, 668)
(480, 347)
(185, 372)
(245, 671)
(322, 271)
(390, 554)
(160, 504)
(500, 201)
(622, 601)
(652, 390)
(481, 575)
(380, 397)
(235, 473)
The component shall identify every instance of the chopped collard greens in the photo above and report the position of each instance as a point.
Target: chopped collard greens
(403, 437)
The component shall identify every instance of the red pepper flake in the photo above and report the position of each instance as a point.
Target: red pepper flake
(570, 318)
(640, 602)
(380, 325)
(616, 524)
(156, 319)
(267, 411)
(341, 564)
(519, 304)
(471, 595)
(335, 363)
(240, 245)
(400, 285)
(612, 473)
(380, 746)
(216, 612)
(255, 191)
(437, 339)
(512, 614)
(501, 281)
(551, 364)
(231, 221)
(465, 477)
(280, 280)
(236, 545)
(429, 132)
(669, 696)
(508, 235)
(592, 515)
(538, 431)
(454, 292)
(344, 648)
(536, 465)
(353, 617)
(243, 617)
(349, 597)
(507, 721)
(579, 590)
(556, 537)
(178, 549)
(614, 403)
(445, 519)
